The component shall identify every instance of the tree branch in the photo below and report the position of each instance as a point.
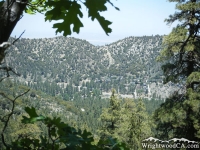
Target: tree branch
(10, 114)
(18, 38)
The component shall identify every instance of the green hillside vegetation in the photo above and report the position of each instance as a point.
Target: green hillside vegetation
(67, 94)
(46, 105)
(64, 66)
(85, 114)
(76, 94)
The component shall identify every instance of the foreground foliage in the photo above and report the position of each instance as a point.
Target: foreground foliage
(130, 114)
(60, 136)
(28, 130)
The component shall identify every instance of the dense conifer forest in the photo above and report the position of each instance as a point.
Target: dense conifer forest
(67, 94)
(79, 95)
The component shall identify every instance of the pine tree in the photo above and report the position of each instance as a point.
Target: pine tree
(135, 124)
(110, 117)
(181, 46)
(179, 115)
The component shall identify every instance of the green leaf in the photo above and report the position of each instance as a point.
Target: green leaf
(94, 7)
(69, 13)
(33, 116)
(59, 8)
(36, 6)
(29, 11)
(31, 111)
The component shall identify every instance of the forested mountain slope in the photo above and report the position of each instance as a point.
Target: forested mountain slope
(81, 73)
(65, 66)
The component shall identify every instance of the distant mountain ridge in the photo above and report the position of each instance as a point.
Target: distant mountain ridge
(128, 65)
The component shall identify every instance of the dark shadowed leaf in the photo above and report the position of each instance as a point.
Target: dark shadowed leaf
(94, 7)
(67, 11)
(33, 116)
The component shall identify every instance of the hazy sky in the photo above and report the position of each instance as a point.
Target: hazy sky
(135, 18)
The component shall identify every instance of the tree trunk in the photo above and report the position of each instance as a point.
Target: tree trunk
(10, 13)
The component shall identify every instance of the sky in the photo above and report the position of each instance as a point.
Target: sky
(135, 18)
